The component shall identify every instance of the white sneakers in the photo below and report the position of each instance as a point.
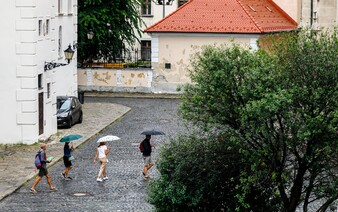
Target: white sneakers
(100, 179)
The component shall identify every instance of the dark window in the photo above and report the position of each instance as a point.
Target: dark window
(145, 50)
(48, 90)
(40, 27)
(146, 7)
(181, 2)
(40, 81)
(167, 65)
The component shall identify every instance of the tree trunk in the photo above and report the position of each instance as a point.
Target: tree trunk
(296, 190)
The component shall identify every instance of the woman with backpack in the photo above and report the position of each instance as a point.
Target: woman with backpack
(101, 153)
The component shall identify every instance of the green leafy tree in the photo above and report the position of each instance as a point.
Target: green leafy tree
(197, 174)
(280, 105)
(116, 25)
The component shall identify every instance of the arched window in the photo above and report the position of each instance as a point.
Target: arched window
(60, 42)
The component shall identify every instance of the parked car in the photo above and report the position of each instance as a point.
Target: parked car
(68, 111)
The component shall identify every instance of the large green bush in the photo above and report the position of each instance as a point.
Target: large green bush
(279, 108)
(198, 174)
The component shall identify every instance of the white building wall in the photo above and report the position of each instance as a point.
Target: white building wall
(9, 82)
(24, 53)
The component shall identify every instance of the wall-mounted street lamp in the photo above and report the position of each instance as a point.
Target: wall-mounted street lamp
(69, 53)
(164, 3)
(90, 34)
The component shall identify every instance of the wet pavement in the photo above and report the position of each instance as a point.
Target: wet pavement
(125, 190)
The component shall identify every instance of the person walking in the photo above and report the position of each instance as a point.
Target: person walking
(67, 149)
(43, 170)
(147, 156)
(101, 153)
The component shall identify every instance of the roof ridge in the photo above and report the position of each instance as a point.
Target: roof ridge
(247, 12)
(224, 16)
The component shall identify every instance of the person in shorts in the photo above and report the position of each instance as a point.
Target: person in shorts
(67, 149)
(43, 170)
(147, 156)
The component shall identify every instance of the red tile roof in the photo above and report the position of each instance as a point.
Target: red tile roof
(226, 16)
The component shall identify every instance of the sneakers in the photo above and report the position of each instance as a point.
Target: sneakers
(53, 189)
(68, 178)
(32, 190)
(99, 180)
(105, 178)
(63, 174)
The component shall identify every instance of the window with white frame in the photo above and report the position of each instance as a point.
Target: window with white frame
(146, 8)
(60, 42)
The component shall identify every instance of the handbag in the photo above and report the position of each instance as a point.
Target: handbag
(71, 158)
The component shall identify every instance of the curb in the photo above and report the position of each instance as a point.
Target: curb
(131, 95)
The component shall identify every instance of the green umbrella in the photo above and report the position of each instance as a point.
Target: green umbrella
(70, 138)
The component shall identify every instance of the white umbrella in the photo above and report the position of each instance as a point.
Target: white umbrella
(108, 138)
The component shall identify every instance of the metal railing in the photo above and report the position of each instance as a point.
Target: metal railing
(127, 59)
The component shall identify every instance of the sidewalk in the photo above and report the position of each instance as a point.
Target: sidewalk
(17, 161)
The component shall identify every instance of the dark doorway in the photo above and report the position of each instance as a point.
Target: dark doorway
(40, 113)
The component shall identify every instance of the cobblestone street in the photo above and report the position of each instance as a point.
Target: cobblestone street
(125, 190)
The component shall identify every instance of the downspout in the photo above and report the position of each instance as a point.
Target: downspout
(311, 14)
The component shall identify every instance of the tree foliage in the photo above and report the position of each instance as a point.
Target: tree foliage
(280, 106)
(115, 23)
(197, 174)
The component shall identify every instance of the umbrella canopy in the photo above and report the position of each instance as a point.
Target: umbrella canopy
(152, 132)
(70, 138)
(108, 138)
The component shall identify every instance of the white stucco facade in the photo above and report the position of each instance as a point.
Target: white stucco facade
(34, 32)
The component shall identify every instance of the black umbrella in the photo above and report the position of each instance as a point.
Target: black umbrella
(152, 132)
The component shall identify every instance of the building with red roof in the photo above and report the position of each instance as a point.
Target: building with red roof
(181, 34)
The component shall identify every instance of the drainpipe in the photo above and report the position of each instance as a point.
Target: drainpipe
(311, 14)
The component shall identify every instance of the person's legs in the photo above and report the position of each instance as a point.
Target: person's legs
(68, 165)
(147, 165)
(67, 170)
(49, 181)
(104, 173)
(37, 180)
(103, 163)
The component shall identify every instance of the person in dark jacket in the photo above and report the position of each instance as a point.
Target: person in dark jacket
(147, 156)
(43, 170)
(67, 149)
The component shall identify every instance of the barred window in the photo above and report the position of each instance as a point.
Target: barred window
(146, 7)
(146, 50)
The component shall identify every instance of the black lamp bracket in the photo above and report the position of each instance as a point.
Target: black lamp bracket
(50, 65)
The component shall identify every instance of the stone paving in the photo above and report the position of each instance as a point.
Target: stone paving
(125, 190)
